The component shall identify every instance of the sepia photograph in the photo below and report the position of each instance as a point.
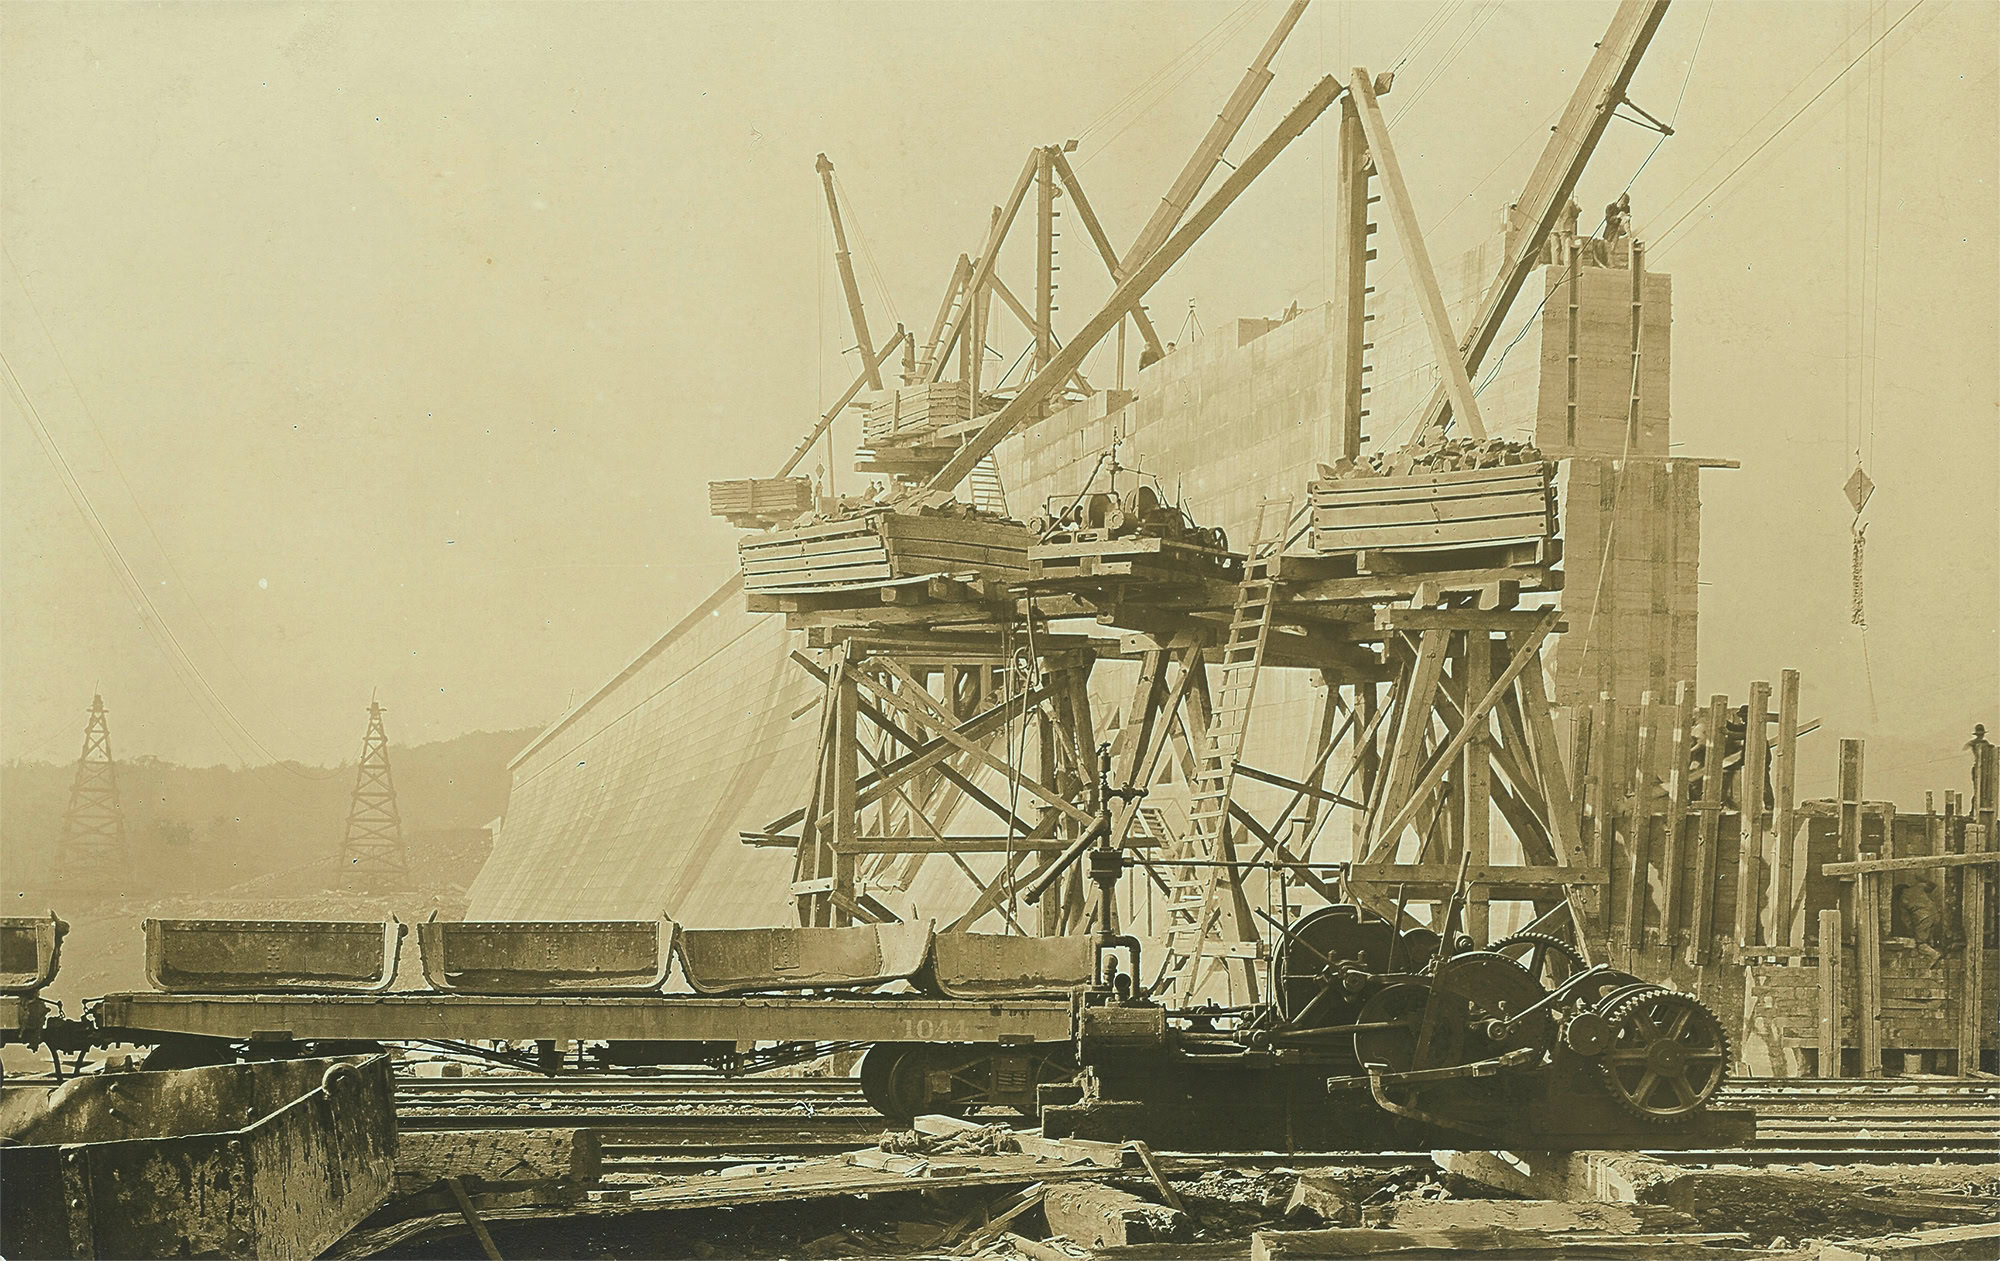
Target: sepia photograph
(1028, 630)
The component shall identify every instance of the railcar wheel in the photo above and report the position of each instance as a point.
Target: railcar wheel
(1668, 1055)
(1550, 960)
(878, 1062)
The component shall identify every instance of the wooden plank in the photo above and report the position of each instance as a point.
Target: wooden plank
(1974, 1017)
(1638, 810)
(1497, 875)
(1830, 1002)
(1479, 533)
(1476, 783)
(1868, 971)
(1404, 619)
(1752, 815)
(1524, 653)
(1417, 260)
(1787, 904)
(1674, 856)
(858, 574)
(1916, 862)
(1413, 720)
(1431, 482)
(1529, 503)
(1707, 863)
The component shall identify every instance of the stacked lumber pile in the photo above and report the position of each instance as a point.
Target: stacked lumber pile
(757, 502)
(913, 410)
(1459, 494)
(883, 547)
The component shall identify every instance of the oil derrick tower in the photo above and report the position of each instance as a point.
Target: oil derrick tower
(374, 838)
(93, 835)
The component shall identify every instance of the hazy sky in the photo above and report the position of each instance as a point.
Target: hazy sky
(394, 344)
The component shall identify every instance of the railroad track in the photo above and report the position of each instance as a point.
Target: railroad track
(678, 1123)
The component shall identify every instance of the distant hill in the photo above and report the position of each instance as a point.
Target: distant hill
(256, 843)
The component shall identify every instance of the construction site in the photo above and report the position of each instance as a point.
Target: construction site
(1152, 785)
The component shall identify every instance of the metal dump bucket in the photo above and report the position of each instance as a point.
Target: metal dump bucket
(30, 952)
(225, 956)
(575, 957)
(989, 965)
(164, 1164)
(745, 960)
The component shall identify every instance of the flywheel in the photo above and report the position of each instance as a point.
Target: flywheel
(1667, 1057)
(1314, 954)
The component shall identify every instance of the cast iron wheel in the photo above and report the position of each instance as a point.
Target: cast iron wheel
(877, 1063)
(1595, 990)
(1668, 1055)
(1477, 987)
(1550, 960)
(1396, 1048)
(1312, 955)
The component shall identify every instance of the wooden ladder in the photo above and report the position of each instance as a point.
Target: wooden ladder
(983, 484)
(1192, 911)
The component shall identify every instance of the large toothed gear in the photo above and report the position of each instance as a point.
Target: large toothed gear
(1667, 1057)
(1550, 960)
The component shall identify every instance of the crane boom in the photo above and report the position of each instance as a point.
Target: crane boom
(1550, 185)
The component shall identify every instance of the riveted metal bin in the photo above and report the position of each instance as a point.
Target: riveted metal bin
(226, 956)
(992, 965)
(278, 1158)
(747, 960)
(30, 952)
(560, 957)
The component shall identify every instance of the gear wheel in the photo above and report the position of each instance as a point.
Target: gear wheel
(1550, 960)
(1668, 1054)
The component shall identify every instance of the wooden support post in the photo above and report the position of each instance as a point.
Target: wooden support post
(1752, 815)
(844, 262)
(1410, 234)
(1830, 1002)
(1413, 720)
(1525, 646)
(1091, 224)
(934, 348)
(1476, 779)
(1868, 970)
(1638, 813)
(1974, 1017)
(844, 771)
(1350, 283)
(1862, 907)
(1583, 765)
(1606, 740)
(1707, 864)
(1367, 759)
(1045, 259)
(471, 1215)
(1638, 342)
(1787, 905)
(1673, 863)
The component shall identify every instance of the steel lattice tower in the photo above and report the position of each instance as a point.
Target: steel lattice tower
(374, 837)
(93, 835)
